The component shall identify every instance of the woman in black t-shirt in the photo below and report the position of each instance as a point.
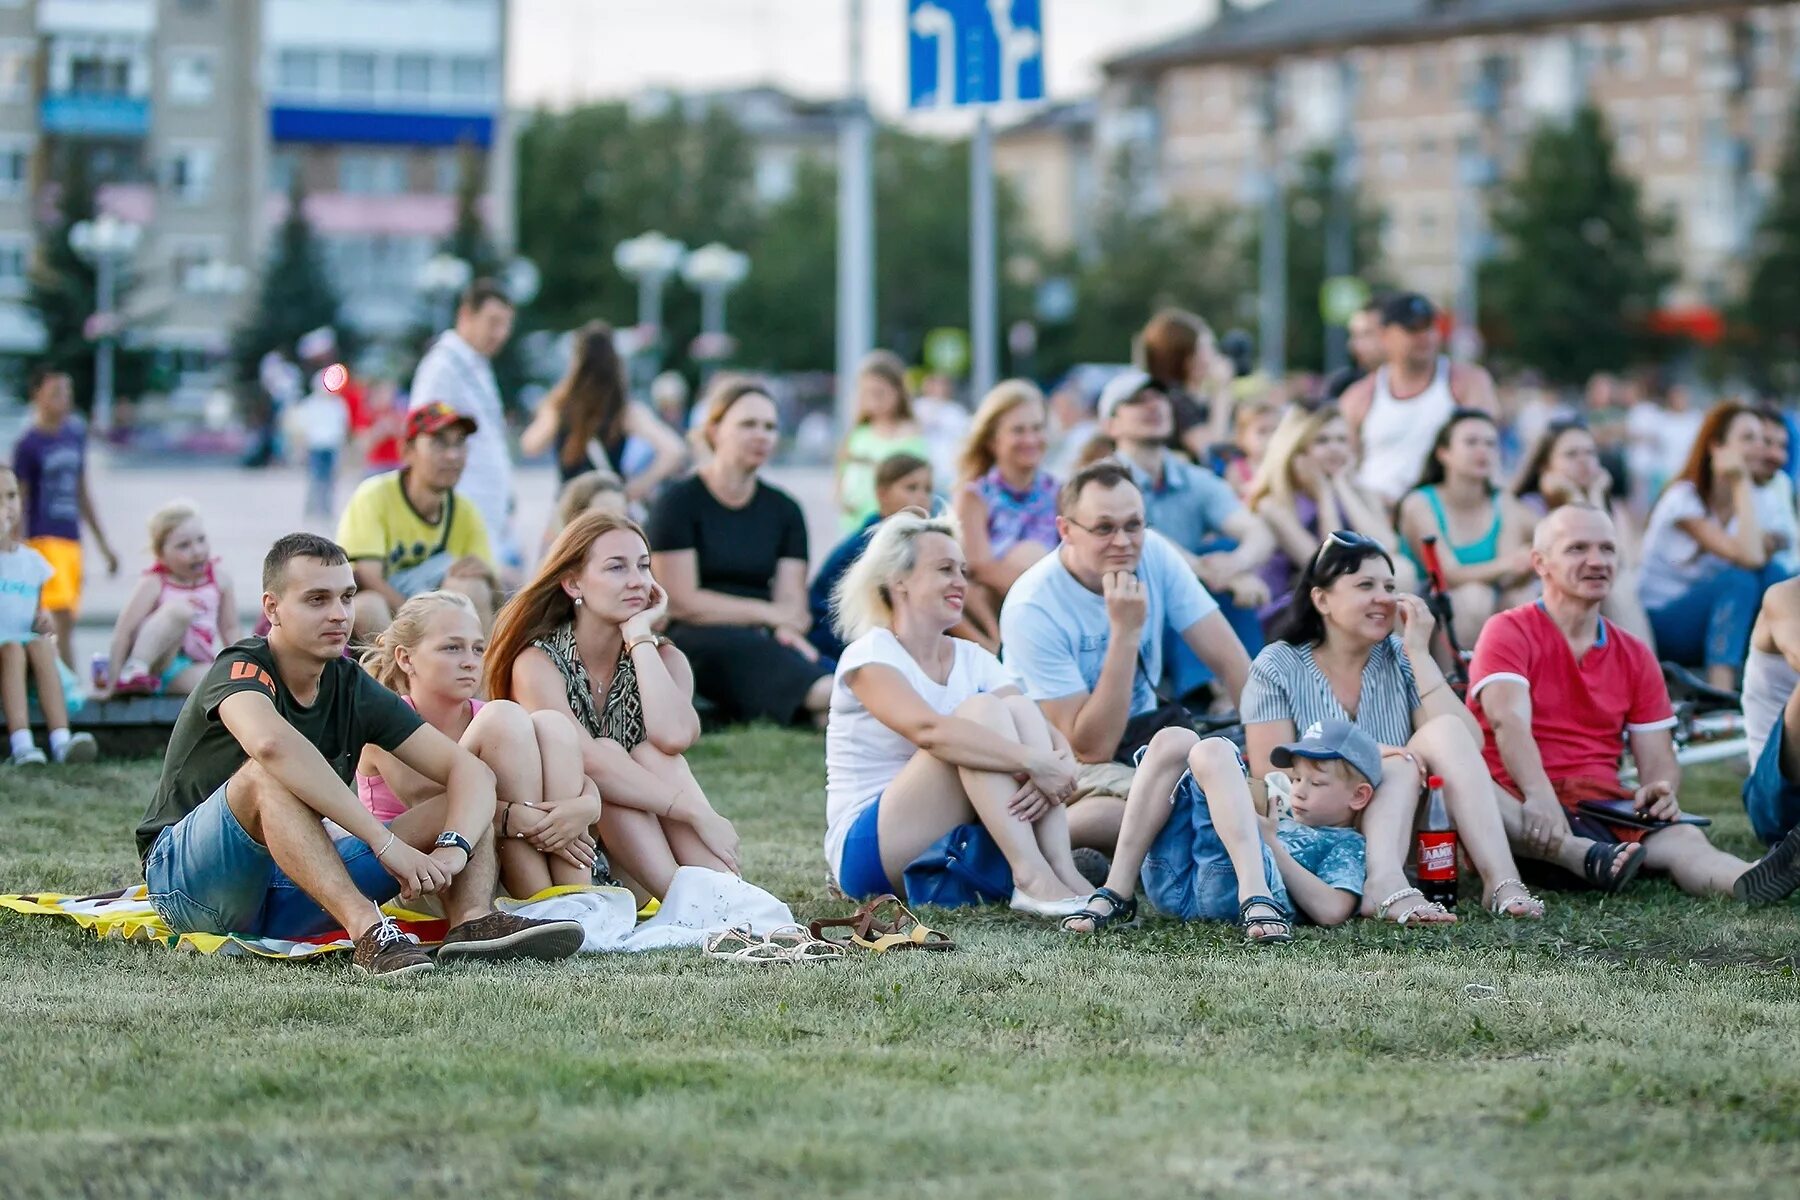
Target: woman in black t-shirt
(730, 549)
(589, 419)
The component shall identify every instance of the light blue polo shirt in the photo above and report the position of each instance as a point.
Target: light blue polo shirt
(1192, 504)
(1054, 631)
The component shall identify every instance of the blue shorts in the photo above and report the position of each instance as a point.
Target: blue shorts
(1187, 873)
(860, 873)
(205, 874)
(1770, 798)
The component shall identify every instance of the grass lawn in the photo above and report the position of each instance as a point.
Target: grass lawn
(1645, 1046)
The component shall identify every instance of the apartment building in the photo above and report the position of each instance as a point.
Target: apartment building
(1431, 103)
(193, 118)
(1048, 158)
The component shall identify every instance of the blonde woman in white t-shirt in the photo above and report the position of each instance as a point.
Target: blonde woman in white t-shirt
(928, 732)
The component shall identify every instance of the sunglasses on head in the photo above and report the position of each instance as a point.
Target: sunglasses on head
(1351, 545)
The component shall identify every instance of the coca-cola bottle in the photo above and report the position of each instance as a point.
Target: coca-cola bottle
(1437, 849)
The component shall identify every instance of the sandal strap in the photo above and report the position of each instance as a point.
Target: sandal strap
(1118, 908)
(1381, 910)
(1525, 896)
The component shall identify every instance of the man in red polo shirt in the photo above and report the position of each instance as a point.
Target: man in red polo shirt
(1556, 688)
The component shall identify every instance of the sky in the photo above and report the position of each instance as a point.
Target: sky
(566, 51)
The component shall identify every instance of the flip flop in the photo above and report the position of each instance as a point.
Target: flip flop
(801, 946)
(1597, 865)
(739, 945)
(877, 933)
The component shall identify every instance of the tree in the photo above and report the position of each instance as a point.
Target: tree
(61, 290)
(294, 295)
(1581, 266)
(1770, 336)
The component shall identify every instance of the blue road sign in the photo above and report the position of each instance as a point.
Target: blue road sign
(974, 52)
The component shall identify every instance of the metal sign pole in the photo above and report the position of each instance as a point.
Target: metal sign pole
(984, 303)
(856, 230)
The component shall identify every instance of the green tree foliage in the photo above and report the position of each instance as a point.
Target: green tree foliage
(294, 295)
(1769, 334)
(1581, 263)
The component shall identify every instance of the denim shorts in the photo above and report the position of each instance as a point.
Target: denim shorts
(1187, 873)
(205, 874)
(860, 873)
(1770, 798)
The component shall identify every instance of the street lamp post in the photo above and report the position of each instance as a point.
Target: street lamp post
(107, 242)
(713, 271)
(441, 277)
(649, 259)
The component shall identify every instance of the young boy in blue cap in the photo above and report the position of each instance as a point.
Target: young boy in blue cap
(1192, 831)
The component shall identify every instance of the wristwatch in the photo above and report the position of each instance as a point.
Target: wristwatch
(452, 838)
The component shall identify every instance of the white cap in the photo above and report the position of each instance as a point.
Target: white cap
(1122, 389)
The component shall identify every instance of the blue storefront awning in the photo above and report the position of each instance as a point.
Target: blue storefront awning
(387, 126)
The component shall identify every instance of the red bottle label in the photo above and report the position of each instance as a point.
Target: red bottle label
(1437, 854)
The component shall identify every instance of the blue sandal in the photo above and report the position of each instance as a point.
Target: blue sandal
(1280, 918)
(1118, 909)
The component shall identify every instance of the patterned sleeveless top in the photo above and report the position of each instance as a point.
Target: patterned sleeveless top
(621, 717)
(1015, 517)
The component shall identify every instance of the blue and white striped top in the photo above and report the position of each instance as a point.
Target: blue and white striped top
(1286, 684)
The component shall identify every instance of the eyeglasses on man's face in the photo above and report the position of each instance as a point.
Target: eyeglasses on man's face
(1106, 531)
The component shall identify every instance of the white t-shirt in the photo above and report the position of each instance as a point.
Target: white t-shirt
(456, 374)
(1674, 563)
(862, 755)
(23, 574)
(321, 421)
(1768, 683)
(1776, 514)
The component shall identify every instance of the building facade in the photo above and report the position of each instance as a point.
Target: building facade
(195, 117)
(1430, 103)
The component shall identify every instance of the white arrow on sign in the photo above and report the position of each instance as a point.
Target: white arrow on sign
(936, 24)
(1017, 47)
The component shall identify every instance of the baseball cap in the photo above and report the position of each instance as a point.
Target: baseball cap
(1122, 389)
(435, 418)
(1334, 739)
(1408, 309)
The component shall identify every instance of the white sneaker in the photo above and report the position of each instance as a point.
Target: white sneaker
(29, 758)
(80, 748)
(1050, 909)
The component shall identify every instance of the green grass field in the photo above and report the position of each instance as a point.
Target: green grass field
(1639, 1046)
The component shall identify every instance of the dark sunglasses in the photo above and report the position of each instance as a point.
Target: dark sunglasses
(1352, 548)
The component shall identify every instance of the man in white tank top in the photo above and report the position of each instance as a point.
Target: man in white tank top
(1395, 414)
(1772, 722)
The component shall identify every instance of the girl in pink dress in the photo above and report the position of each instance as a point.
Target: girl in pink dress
(182, 613)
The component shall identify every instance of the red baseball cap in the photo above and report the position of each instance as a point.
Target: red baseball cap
(435, 418)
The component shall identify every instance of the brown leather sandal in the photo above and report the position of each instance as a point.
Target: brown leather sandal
(883, 924)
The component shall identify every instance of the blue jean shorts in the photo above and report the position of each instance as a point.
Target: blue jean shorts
(1187, 873)
(1771, 799)
(860, 873)
(205, 874)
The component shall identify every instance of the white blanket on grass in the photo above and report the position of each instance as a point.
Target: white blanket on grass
(700, 902)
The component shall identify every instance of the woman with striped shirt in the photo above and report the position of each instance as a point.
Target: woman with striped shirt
(1337, 656)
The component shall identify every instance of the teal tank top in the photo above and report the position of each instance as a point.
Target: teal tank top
(1470, 554)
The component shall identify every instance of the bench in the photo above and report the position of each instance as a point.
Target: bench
(125, 727)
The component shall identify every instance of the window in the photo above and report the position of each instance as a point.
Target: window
(1393, 159)
(1671, 47)
(189, 172)
(15, 263)
(412, 75)
(371, 173)
(448, 169)
(284, 165)
(17, 63)
(1634, 52)
(356, 74)
(299, 70)
(1393, 76)
(188, 257)
(15, 166)
(1631, 143)
(90, 74)
(1671, 136)
(469, 77)
(191, 77)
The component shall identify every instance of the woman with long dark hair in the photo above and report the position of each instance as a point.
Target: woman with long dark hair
(1706, 556)
(579, 639)
(592, 422)
(1353, 647)
(1564, 467)
(1483, 535)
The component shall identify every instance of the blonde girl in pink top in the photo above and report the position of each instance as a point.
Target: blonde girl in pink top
(182, 613)
(431, 657)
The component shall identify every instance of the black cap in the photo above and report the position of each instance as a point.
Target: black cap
(1408, 309)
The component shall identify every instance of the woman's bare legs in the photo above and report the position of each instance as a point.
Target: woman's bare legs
(1443, 744)
(1387, 829)
(928, 798)
(637, 786)
(1052, 829)
(501, 736)
(559, 753)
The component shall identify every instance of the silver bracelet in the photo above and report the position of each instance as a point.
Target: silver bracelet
(385, 846)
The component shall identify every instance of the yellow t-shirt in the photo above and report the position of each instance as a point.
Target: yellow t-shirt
(381, 522)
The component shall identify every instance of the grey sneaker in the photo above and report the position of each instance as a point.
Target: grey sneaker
(383, 949)
(500, 937)
(1093, 865)
(81, 748)
(29, 758)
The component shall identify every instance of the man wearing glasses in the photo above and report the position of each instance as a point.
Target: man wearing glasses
(1396, 413)
(1083, 630)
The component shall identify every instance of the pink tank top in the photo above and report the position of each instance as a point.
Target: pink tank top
(374, 791)
(201, 642)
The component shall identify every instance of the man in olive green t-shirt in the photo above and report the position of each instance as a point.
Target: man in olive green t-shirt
(235, 839)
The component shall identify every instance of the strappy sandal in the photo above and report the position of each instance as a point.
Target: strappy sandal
(1247, 922)
(1381, 910)
(883, 924)
(1118, 911)
(1598, 865)
(800, 946)
(1498, 907)
(739, 945)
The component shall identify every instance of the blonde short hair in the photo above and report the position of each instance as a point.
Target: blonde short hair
(862, 600)
(167, 520)
(407, 630)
